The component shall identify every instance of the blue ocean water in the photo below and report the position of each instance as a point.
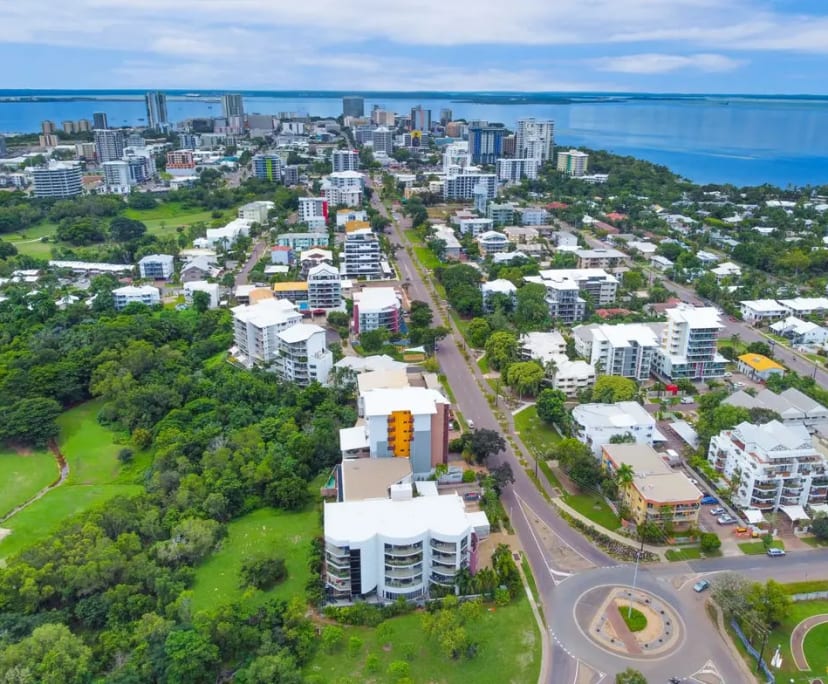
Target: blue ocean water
(744, 140)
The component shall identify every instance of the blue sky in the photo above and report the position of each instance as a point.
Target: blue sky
(733, 46)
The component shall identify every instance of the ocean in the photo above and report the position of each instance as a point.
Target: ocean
(743, 140)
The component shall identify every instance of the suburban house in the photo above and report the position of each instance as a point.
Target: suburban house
(759, 367)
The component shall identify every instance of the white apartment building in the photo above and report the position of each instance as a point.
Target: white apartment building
(302, 241)
(344, 187)
(157, 266)
(596, 424)
(515, 170)
(497, 287)
(324, 287)
(775, 465)
(313, 211)
(760, 310)
(492, 242)
(212, 290)
(534, 139)
(543, 346)
(463, 185)
(573, 163)
(130, 294)
(224, 237)
(256, 328)
(345, 216)
(601, 258)
(475, 225)
(563, 288)
(688, 344)
(393, 549)
(628, 349)
(549, 348)
(383, 140)
(344, 160)
(571, 377)
(456, 157)
(257, 212)
(377, 307)
(303, 356)
(534, 216)
(805, 306)
(116, 177)
(362, 255)
(109, 145)
(59, 179)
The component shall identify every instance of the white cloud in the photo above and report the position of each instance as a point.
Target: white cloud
(655, 63)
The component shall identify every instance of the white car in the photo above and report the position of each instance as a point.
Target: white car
(470, 423)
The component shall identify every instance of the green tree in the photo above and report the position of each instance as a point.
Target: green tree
(373, 340)
(478, 332)
(624, 475)
(630, 676)
(524, 377)
(551, 406)
(531, 310)
(610, 389)
(770, 601)
(30, 421)
(122, 229)
(191, 658)
(51, 655)
(485, 443)
(262, 572)
(420, 314)
(710, 542)
(501, 349)
(332, 638)
(201, 301)
(268, 669)
(819, 527)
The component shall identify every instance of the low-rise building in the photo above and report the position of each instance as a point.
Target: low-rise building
(805, 306)
(760, 310)
(800, 332)
(453, 248)
(224, 237)
(543, 346)
(345, 216)
(533, 216)
(130, 294)
(791, 405)
(657, 494)
(212, 290)
(157, 266)
(475, 225)
(492, 242)
(571, 377)
(726, 270)
(521, 235)
(601, 258)
(293, 290)
(199, 268)
(773, 465)
(281, 254)
(596, 424)
(489, 290)
(564, 287)
(377, 307)
(256, 212)
(759, 367)
(501, 214)
(302, 241)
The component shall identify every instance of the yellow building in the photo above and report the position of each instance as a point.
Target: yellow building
(759, 367)
(260, 294)
(656, 493)
(294, 290)
(351, 226)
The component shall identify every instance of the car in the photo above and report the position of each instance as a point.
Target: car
(727, 520)
(717, 511)
(775, 553)
(687, 400)
(740, 529)
(471, 424)
(707, 499)
(728, 374)
(700, 586)
(694, 480)
(471, 496)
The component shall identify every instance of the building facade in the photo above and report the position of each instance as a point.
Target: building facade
(268, 167)
(362, 255)
(353, 105)
(145, 294)
(344, 160)
(486, 143)
(573, 163)
(596, 424)
(689, 344)
(59, 179)
(109, 145)
(156, 104)
(157, 266)
(534, 139)
(375, 308)
(628, 349)
(324, 287)
(515, 170)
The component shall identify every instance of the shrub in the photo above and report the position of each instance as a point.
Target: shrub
(125, 455)
(262, 572)
(709, 542)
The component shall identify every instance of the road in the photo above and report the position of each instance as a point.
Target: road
(558, 589)
(256, 254)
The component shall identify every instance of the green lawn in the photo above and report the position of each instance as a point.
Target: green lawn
(595, 508)
(635, 619)
(95, 475)
(28, 242)
(535, 434)
(816, 648)
(427, 258)
(265, 530)
(509, 651)
(483, 364)
(684, 554)
(758, 548)
(24, 474)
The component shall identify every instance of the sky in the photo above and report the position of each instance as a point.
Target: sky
(689, 46)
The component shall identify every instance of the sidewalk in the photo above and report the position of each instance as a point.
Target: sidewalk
(542, 628)
(629, 541)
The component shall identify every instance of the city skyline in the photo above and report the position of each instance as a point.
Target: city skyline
(693, 46)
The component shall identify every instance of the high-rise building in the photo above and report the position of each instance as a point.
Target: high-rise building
(58, 180)
(516, 169)
(463, 185)
(109, 145)
(99, 121)
(181, 163)
(47, 127)
(382, 117)
(268, 167)
(445, 116)
(86, 150)
(116, 176)
(383, 140)
(84, 126)
(534, 139)
(420, 119)
(156, 109)
(232, 105)
(345, 160)
(688, 346)
(486, 142)
(50, 140)
(362, 255)
(353, 105)
(573, 163)
(68, 126)
(2, 146)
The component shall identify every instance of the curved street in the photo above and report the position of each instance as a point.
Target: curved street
(559, 589)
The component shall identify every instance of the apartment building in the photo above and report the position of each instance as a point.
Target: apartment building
(58, 179)
(212, 290)
(463, 185)
(157, 266)
(628, 349)
(533, 216)
(156, 109)
(505, 288)
(353, 105)
(596, 424)
(501, 214)
(303, 355)
(689, 345)
(181, 163)
(109, 145)
(515, 170)
(324, 287)
(375, 308)
(346, 216)
(657, 494)
(362, 255)
(224, 237)
(773, 465)
(534, 139)
(805, 306)
(573, 163)
(601, 258)
(344, 187)
(116, 177)
(564, 287)
(268, 167)
(398, 547)
(492, 242)
(485, 142)
(382, 140)
(344, 160)
(456, 157)
(452, 248)
(299, 242)
(760, 310)
(256, 327)
(313, 212)
(256, 212)
(475, 225)
(130, 294)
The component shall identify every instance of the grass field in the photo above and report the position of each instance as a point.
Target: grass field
(95, 475)
(427, 258)
(758, 548)
(816, 648)
(684, 554)
(22, 475)
(595, 508)
(28, 241)
(536, 435)
(509, 651)
(268, 530)
(635, 619)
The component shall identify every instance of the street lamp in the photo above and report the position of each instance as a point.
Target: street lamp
(635, 572)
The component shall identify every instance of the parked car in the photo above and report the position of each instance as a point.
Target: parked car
(717, 511)
(687, 400)
(707, 499)
(774, 553)
(727, 520)
(471, 496)
(700, 586)
(470, 423)
(728, 374)
(741, 528)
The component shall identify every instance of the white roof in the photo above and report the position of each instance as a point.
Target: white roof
(417, 400)
(136, 290)
(564, 368)
(362, 364)
(795, 513)
(727, 268)
(805, 303)
(501, 285)
(426, 488)
(357, 521)
(353, 438)
(601, 253)
(90, 266)
(754, 515)
(620, 415)
(695, 316)
(376, 298)
(572, 274)
(505, 257)
(266, 312)
(761, 305)
(625, 334)
(166, 258)
(543, 345)
(300, 332)
(707, 256)
(794, 325)
(322, 268)
(775, 436)
(492, 235)
(201, 285)
(315, 253)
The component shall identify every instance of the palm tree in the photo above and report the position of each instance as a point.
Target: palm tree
(624, 475)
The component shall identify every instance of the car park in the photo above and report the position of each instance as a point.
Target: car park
(700, 586)
(726, 520)
(707, 499)
(717, 511)
(775, 553)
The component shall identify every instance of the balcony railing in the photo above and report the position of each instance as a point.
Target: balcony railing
(446, 547)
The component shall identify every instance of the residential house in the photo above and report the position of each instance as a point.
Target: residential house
(596, 424)
(199, 268)
(453, 248)
(212, 290)
(805, 306)
(281, 254)
(759, 367)
(791, 405)
(726, 270)
(761, 310)
(799, 332)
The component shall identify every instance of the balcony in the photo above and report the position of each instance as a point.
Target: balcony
(445, 547)
(404, 583)
(404, 562)
(413, 572)
(403, 551)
